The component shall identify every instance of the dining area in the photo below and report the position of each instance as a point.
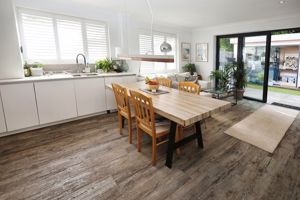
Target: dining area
(164, 115)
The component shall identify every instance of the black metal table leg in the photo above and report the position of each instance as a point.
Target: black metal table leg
(199, 134)
(171, 144)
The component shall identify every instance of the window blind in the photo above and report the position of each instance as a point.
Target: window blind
(39, 38)
(96, 41)
(70, 38)
(51, 38)
(151, 45)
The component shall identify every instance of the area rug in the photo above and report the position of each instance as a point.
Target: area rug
(264, 128)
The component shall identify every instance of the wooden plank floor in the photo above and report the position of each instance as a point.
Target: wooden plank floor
(88, 159)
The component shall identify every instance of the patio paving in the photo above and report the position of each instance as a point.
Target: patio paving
(293, 100)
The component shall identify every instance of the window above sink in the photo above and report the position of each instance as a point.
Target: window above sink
(50, 38)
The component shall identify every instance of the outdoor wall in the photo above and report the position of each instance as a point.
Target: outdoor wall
(208, 35)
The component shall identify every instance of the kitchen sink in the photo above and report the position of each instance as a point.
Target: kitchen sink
(83, 74)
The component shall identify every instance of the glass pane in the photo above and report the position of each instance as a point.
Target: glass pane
(227, 51)
(284, 73)
(254, 61)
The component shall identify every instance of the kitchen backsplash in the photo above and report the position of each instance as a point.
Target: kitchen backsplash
(66, 67)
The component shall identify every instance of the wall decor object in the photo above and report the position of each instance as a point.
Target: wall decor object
(186, 51)
(201, 52)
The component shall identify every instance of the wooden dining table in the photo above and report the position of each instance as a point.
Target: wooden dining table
(181, 108)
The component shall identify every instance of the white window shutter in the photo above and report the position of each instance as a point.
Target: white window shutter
(97, 41)
(51, 38)
(39, 37)
(70, 38)
(152, 44)
(145, 43)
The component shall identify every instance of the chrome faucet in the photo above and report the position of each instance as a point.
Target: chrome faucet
(84, 60)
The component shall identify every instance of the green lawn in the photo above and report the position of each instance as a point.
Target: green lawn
(275, 89)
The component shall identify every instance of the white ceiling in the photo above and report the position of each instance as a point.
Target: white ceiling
(197, 13)
(201, 13)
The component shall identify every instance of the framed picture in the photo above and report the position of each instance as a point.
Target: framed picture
(186, 51)
(202, 52)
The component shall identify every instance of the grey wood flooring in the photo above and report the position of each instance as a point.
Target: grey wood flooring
(89, 159)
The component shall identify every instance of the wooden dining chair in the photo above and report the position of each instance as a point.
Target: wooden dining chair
(145, 122)
(190, 87)
(123, 106)
(164, 81)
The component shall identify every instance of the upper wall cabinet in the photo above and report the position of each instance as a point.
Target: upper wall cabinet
(2, 119)
(90, 96)
(55, 100)
(19, 106)
(110, 98)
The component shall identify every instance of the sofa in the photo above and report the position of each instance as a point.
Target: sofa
(186, 76)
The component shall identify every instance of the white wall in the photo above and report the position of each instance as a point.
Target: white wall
(123, 29)
(10, 57)
(208, 35)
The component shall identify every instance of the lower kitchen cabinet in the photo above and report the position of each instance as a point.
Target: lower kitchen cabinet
(55, 100)
(110, 98)
(2, 119)
(19, 105)
(90, 95)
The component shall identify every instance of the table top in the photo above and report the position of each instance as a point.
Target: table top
(181, 107)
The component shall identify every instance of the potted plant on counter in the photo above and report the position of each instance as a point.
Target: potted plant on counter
(36, 69)
(105, 65)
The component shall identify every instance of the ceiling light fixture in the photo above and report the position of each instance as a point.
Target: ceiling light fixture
(149, 57)
(164, 47)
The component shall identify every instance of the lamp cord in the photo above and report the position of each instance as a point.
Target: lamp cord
(152, 21)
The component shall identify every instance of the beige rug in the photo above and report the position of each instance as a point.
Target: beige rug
(265, 127)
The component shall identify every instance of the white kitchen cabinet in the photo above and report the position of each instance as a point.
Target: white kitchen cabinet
(2, 119)
(19, 105)
(55, 100)
(90, 95)
(110, 98)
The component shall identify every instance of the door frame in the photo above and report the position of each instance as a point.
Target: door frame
(241, 37)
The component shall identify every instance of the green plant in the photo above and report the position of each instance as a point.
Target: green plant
(190, 67)
(106, 65)
(37, 65)
(239, 75)
(223, 76)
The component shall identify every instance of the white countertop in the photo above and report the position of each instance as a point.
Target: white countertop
(60, 77)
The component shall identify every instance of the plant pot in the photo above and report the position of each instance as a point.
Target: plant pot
(239, 94)
(37, 71)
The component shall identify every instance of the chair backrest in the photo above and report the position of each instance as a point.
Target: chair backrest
(122, 98)
(164, 81)
(144, 111)
(189, 87)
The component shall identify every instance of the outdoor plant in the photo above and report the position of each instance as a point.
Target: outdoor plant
(106, 65)
(190, 67)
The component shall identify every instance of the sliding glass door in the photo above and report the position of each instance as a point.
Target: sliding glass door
(252, 51)
(254, 60)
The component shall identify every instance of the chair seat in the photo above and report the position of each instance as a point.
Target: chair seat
(125, 114)
(161, 127)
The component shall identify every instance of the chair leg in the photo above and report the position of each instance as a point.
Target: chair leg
(130, 130)
(139, 139)
(120, 122)
(154, 151)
